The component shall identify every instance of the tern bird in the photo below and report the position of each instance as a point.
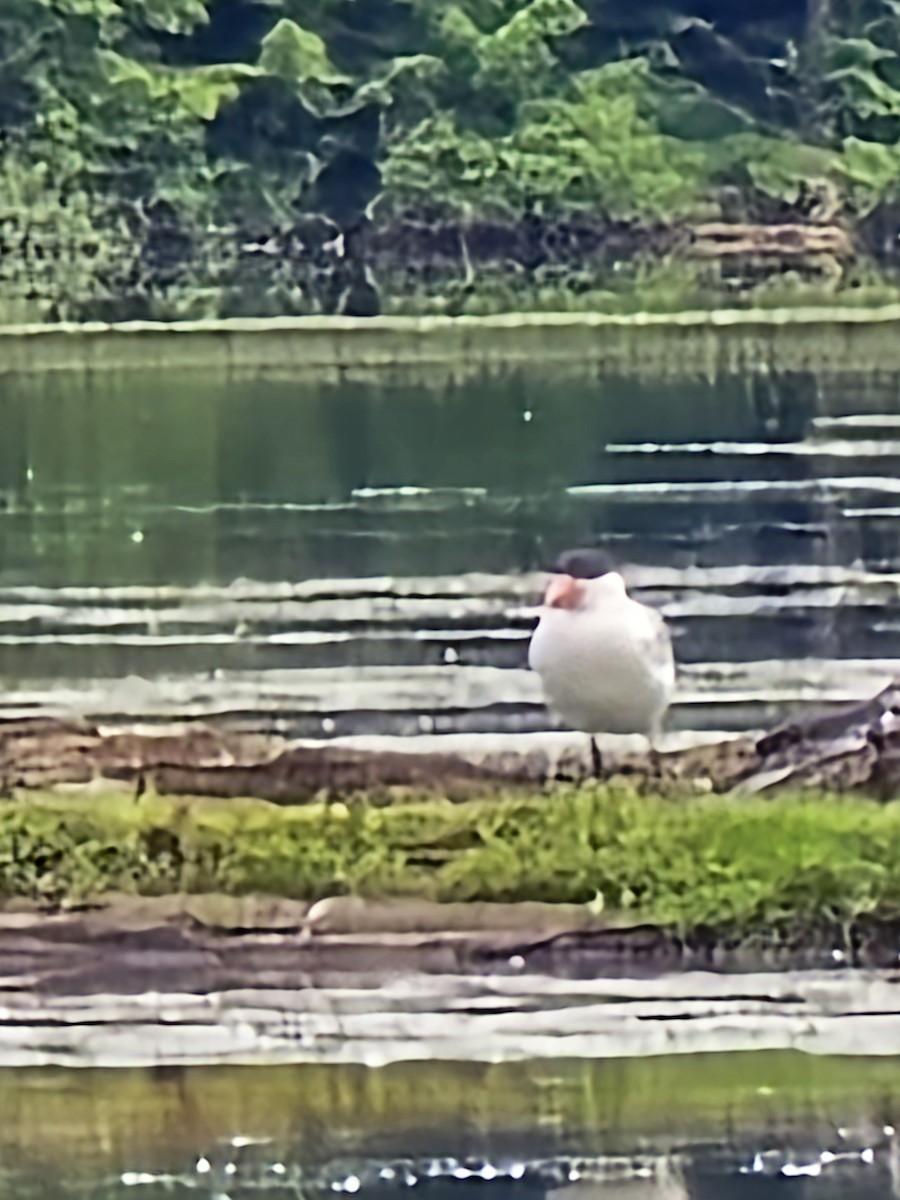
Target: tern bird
(604, 660)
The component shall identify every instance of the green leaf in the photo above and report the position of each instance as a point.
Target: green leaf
(518, 61)
(199, 91)
(119, 69)
(844, 53)
(684, 109)
(400, 72)
(203, 90)
(175, 16)
(778, 167)
(456, 26)
(100, 10)
(872, 165)
(591, 153)
(789, 167)
(297, 55)
(522, 42)
(545, 19)
(868, 94)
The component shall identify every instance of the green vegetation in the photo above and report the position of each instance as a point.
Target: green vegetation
(204, 157)
(770, 866)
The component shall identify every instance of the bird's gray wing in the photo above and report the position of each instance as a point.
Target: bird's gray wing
(656, 643)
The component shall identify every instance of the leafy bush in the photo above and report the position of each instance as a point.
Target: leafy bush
(591, 152)
(167, 127)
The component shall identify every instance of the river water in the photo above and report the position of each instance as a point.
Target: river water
(511, 1082)
(760, 1125)
(360, 556)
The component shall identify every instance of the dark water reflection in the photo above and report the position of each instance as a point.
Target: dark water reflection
(139, 479)
(660, 1129)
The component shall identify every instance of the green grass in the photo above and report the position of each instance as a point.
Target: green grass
(789, 865)
(657, 285)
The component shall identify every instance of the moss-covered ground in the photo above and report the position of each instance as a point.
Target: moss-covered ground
(789, 864)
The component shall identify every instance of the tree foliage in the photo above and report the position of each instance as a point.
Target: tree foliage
(590, 151)
(160, 154)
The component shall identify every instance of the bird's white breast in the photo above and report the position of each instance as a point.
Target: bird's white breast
(598, 668)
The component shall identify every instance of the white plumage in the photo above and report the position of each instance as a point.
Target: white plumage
(605, 661)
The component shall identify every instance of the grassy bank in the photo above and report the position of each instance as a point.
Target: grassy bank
(791, 865)
(664, 345)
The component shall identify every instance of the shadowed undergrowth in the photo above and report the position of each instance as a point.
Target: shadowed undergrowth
(778, 866)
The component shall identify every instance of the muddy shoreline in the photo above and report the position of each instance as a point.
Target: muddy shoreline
(203, 944)
(124, 987)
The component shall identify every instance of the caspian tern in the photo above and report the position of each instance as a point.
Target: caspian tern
(605, 661)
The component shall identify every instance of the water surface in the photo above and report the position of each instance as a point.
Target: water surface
(359, 554)
(744, 1125)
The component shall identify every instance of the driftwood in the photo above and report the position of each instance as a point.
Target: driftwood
(206, 761)
(819, 250)
(853, 748)
(716, 239)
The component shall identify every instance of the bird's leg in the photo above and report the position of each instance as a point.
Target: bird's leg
(596, 760)
(654, 759)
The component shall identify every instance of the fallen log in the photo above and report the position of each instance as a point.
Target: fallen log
(855, 748)
(717, 239)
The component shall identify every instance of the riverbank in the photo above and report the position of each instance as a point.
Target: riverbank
(774, 841)
(783, 874)
(378, 922)
(661, 345)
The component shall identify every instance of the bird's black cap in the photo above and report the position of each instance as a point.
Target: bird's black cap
(583, 564)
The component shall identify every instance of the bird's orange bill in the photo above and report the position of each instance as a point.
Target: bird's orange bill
(563, 591)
